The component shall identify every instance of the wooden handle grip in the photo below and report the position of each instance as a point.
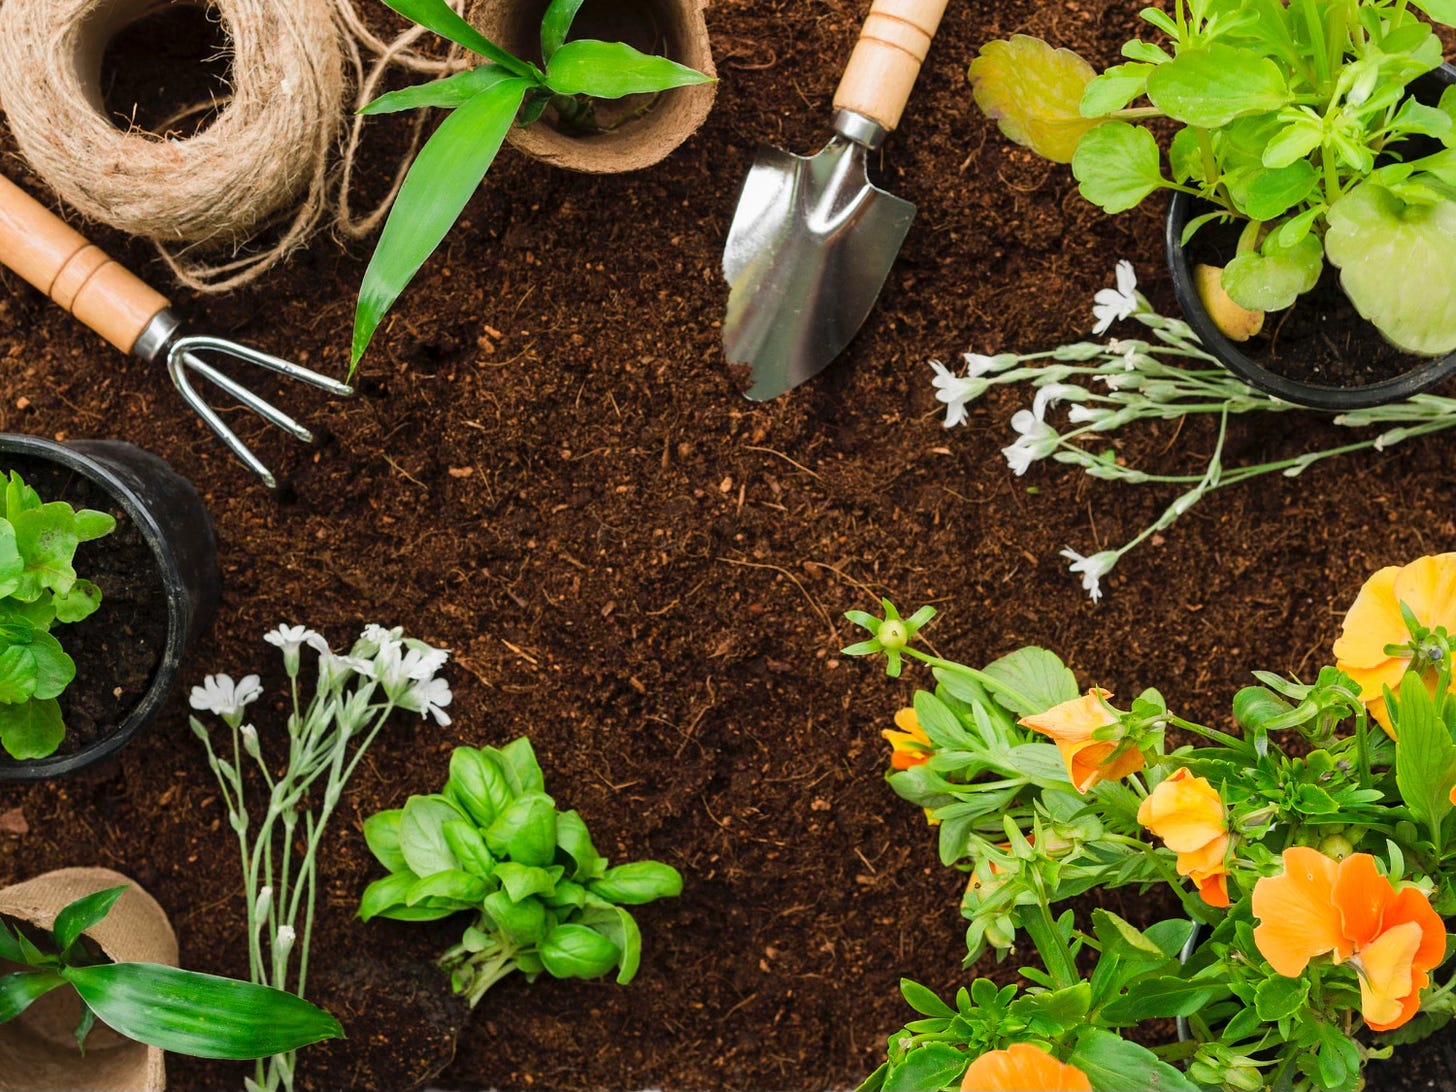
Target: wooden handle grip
(58, 260)
(887, 58)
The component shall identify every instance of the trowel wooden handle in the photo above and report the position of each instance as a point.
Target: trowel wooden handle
(887, 58)
(58, 260)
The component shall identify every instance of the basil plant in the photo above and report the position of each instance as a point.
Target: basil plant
(1294, 118)
(494, 843)
(186, 1012)
(484, 102)
(38, 588)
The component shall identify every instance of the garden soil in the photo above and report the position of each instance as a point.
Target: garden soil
(550, 470)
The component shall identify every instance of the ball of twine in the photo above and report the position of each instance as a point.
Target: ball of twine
(266, 150)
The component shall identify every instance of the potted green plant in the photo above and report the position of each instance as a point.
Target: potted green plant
(90, 994)
(1300, 128)
(579, 75)
(154, 578)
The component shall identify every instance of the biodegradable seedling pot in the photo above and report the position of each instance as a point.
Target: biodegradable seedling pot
(172, 520)
(1425, 372)
(38, 1048)
(640, 129)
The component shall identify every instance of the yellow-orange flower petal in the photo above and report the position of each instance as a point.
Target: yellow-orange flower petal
(1370, 623)
(1023, 1067)
(1214, 889)
(1185, 811)
(910, 746)
(1070, 726)
(1297, 914)
(1387, 971)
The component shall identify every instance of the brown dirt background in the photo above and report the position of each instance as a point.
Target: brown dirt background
(550, 471)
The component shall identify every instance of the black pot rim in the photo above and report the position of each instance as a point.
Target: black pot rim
(163, 678)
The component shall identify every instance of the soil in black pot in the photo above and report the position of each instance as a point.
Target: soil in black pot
(117, 648)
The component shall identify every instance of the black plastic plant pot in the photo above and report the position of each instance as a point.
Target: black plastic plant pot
(1424, 375)
(173, 522)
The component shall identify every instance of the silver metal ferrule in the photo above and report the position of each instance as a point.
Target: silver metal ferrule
(860, 129)
(155, 336)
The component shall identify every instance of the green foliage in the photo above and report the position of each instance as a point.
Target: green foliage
(484, 102)
(494, 843)
(39, 588)
(1295, 117)
(201, 1015)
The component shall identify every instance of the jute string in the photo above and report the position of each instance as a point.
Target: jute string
(277, 158)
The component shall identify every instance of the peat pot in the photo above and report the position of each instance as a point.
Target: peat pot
(170, 559)
(38, 1048)
(639, 130)
(1288, 380)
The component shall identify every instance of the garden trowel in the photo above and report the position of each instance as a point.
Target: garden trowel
(813, 241)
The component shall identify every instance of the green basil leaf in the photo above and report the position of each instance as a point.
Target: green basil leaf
(620, 927)
(386, 894)
(80, 915)
(469, 848)
(429, 910)
(453, 885)
(54, 670)
(439, 183)
(556, 24)
(478, 784)
(518, 762)
(422, 836)
(637, 883)
(524, 921)
(521, 881)
(575, 951)
(19, 990)
(526, 831)
(200, 1015)
(1211, 86)
(449, 92)
(438, 16)
(574, 839)
(567, 894)
(381, 834)
(609, 70)
(33, 729)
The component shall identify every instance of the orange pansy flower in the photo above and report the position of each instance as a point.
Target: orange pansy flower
(1428, 588)
(1187, 813)
(1390, 935)
(1023, 1067)
(1070, 726)
(910, 746)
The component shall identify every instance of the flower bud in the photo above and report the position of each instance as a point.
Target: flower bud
(250, 740)
(283, 942)
(263, 903)
(1337, 846)
(1001, 933)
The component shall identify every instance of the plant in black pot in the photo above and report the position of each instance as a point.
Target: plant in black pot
(1317, 135)
(108, 573)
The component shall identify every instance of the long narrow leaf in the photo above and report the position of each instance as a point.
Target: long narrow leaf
(609, 70)
(438, 16)
(9, 946)
(450, 92)
(556, 24)
(18, 990)
(439, 183)
(80, 915)
(200, 1015)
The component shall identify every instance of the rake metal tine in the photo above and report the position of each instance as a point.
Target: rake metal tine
(178, 371)
(265, 360)
(263, 408)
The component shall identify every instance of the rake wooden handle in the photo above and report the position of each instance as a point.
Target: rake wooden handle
(58, 260)
(886, 59)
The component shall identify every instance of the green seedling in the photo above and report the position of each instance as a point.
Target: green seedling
(493, 842)
(483, 103)
(186, 1012)
(1294, 119)
(38, 588)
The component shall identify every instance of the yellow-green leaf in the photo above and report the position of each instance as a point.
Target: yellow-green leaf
(1034, 94)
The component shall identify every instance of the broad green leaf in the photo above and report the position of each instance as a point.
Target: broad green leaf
(17, 674)
(1120, 937)
(1162, 997)
(439, 183)
(575, 840)
(1292, 143)
(1267, 193)
(19, 497)
(574, 951)
(620, 927)
(1034, 674)
(1034, 94)
(46, 538)
(1440, 11)
(1115, 88)
(1370, 233)
(83, 913)
(449, 92)
(33, 729)
(422, 835)
(1056, 1012)
(79, 603)
(1255, 705)
(91, 524)
(610, 70)
(469, 848)
(453, 885)
(1277, 998)
(11, 565)
(1113, 1064)
(926, 1067)
(523, 921)
(386, 894)
(438, 16)
(518, 762)
(1117, 165)
(478, 784)
(54, 670)
(638, 883)
(1275, 276)
(556, 24)
(526, 831)
(1425, 756)
(381, 834)
(923, 1000)
(200, 1015)
(521, 880)
(1040, 762)
(940, 725)
(9, 946)
(19, 990)
(1210, 86)
(429, 910)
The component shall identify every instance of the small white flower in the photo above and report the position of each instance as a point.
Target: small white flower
(429, 697)
(955, 391)
(218, 694)
(1082, 415)
(294, 637)
(1049, 395)
(1035, 440)
(1093, 568)
(978, 365)
(1111, 305)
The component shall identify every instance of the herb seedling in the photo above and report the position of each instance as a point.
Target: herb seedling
(495, 843)
(1294, 118)
(38, 588)
(186, 1012)
(484, 102)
